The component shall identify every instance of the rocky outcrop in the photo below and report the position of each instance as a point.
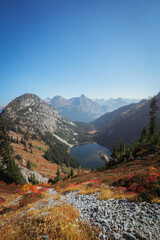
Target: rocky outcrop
(28, 173)
(29, 113)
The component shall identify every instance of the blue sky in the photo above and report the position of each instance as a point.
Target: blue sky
(103, 49)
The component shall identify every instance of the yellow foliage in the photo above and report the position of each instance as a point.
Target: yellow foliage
(81, 188)
(105, 194)
(59, 222)
(26, 187)
(86, 190)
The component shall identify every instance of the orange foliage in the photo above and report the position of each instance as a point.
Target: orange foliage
(30, 187)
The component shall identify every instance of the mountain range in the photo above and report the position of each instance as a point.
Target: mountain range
(29, 113)
(84, 109)
(126, 122)
(112, 104)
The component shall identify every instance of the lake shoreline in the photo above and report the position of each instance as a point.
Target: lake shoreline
(89, 154)
(84, 143)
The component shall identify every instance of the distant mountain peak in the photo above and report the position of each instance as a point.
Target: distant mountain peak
(57, 97)
(77, 108)
(83, 96)
(47, 100)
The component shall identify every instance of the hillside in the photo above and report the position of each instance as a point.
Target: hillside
(29, 114)
(126, 123)
(33, 151)
(87, 206)
(40, 135)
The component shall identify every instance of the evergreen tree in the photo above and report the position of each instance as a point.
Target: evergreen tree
(11, 168)
(28, 165)
(58, 175)
(121, 147)
(33, 179)
(15, 173)
(5, 151)
(115, 151)
(153, 127)
(124, 147)
(144, 135)
(71, 172)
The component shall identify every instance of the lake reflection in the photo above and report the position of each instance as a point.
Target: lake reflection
(88, 155)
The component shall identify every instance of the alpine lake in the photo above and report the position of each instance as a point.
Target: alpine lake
(90, 155)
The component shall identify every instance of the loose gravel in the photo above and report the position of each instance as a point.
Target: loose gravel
(118, 219)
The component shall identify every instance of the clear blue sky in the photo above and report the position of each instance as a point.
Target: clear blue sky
(101, 48)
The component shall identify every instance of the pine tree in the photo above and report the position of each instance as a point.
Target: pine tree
(33, 179)
(22, 141)
(58, 175)
(153, 127)
(11, 168)
(28, 165)
(144, 135)
(115, 151)
(71, 172)
(124, 147)
(5, 151)
(121, 147)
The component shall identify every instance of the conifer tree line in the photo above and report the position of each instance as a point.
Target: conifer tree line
(9, 170)
(150, 136)
(58, 152)
(58, 176)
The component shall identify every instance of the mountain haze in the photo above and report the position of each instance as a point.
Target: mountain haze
(84, 109)
(112, 104)
(80, 108)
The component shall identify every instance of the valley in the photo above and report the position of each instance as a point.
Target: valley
(63, 167)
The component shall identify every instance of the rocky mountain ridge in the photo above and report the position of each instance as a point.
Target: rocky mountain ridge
(80, 108)
(29, 113)
(84, 109)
